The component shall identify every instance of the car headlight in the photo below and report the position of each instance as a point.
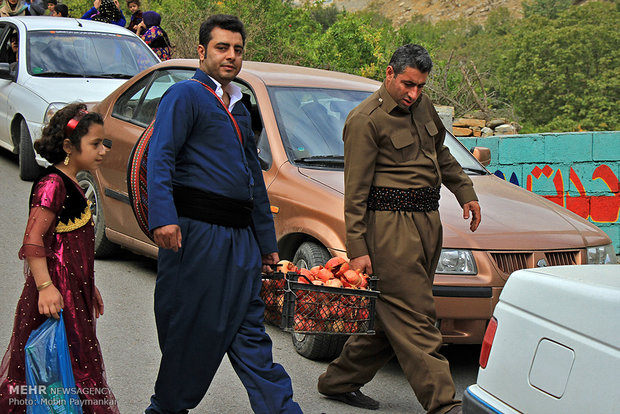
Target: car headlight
(452, 261)
(51, 110)
(602, 255)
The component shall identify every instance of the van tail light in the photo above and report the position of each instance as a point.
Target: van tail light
(487, 342)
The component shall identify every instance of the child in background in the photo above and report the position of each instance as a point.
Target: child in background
(59, 251)
(61, 10)
(136, 14)
(51, 5)
(153, 35)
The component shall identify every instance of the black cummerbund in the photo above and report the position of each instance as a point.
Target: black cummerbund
(212, 208)
(399, 199)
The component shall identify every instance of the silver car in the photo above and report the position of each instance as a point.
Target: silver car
(58, 61)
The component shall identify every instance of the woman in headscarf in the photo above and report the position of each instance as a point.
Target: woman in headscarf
(153, 35)
(107, 11)
(14, 8)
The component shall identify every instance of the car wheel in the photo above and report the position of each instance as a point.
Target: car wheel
(320, 346)
(28, 167)
(103, 247)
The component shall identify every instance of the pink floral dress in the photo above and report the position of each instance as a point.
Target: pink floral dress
(155, 38)
(68, 244)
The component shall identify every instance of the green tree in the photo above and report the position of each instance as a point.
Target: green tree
(562, 74)
(546, 8)
(357, 43)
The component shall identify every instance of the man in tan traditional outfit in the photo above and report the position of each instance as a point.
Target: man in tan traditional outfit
(395, 164)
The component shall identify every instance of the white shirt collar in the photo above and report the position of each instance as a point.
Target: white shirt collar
(233, 91)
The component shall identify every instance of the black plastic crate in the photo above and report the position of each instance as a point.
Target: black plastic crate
(272, 293)
(317, 309)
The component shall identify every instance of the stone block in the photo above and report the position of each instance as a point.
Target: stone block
(505, 129)
(446, 114)
(606, 146)
(521, 149)
(494, 123)
(469, 122)
(461, 132)
(548, 180)
(486, 132)
(570, 147)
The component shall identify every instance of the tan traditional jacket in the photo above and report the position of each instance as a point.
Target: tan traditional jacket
(386, 146)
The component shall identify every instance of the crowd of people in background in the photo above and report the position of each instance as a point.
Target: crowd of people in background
(147, 24)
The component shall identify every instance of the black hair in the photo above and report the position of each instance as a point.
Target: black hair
(50, 145)
(62, 9)
(223, 21)
(136, 2)
(54, 2)
(413, 56)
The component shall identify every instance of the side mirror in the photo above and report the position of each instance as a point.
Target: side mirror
(482, 154)
(5, 71)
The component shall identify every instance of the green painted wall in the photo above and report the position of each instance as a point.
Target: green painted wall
(579, 171)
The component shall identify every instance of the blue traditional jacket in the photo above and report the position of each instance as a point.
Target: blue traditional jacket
(194, 144)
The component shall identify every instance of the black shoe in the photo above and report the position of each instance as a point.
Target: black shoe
(356, 399)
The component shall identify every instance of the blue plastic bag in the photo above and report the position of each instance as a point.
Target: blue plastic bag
(49, 376)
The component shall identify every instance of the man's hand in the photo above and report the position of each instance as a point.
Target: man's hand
(361, 263)
(474, 207)
(271, 258)
(168, 237)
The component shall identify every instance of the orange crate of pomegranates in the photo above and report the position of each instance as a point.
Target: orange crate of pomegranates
(311, 308)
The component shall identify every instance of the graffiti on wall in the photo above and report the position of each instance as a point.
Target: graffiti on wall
(597, 208)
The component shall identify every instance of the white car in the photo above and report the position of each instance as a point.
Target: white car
(58, 61)
(553, 345)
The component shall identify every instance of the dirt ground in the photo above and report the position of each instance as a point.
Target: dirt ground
(401, 11)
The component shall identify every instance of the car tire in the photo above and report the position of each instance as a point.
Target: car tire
(103, 247)
(28, 167)
(319, 346)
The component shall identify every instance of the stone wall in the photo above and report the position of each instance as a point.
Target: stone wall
(579, 171)
(467, 127)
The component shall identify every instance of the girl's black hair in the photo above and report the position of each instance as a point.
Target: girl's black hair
(50, 145)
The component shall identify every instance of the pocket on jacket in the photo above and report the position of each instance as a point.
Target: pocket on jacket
(428, 137)
(405, 146)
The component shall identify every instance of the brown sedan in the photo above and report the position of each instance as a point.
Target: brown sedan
(298, 115)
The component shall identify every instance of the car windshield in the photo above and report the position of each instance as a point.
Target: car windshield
(86, 54)
(310, 121)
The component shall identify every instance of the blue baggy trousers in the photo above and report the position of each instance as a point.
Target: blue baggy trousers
(207, 304)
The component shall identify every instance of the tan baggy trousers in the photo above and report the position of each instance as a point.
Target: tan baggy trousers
(404, 248)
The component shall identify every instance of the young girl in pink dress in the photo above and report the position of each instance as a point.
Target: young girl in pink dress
(59, 251)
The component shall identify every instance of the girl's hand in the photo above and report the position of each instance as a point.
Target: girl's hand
(97, 3)
(98, 304)
(50, 301)
(117, 4)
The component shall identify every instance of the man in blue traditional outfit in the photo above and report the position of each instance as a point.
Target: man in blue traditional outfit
(209, 214)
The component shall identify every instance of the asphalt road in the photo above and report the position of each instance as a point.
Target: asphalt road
(129, 341)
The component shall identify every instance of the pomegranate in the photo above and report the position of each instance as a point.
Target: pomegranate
(324, 275)
(337, 283)
(334, 262)
(286, 266)
(353, 277)
(343, 268)
(307, 273)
